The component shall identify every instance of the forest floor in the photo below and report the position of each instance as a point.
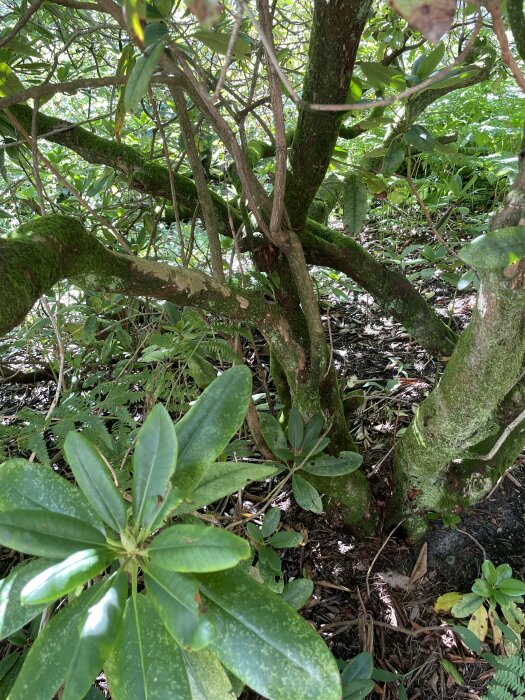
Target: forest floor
(378, 594)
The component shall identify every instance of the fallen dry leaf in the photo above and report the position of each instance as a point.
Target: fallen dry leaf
(420, 567)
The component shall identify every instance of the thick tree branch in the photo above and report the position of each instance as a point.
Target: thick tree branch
(336, 30)
(57, 247)
(517, 24)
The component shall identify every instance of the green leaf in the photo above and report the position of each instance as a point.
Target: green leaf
(206, 429)
(489, 572)
(265, 643)
(176, 597)
(305, 495)
(427, 64)
(468, 638)
(98, 631)
(45, 667)
(29, 485)
(271, 522)
(355, 205)
(14, 615)
(138, 81)
(421, 139)
(219, 42)
(295, 428)
(46, 534)
(285, 539)
(154, 462)
(379, 76)
(496, 249)
(313, 428)
(222, 479)
(93, 477)
(344, 463)
(358, 668)
(10, 83)
(207, 677)
(512, 587)
(503, 572)
(481, 588)
(298, 592)
(65, 577)
(394, 158)
(146, 662)
(192, 548)
(468, 604)
(449, 667)
(272, 432)
(135, 15)
(357, 690)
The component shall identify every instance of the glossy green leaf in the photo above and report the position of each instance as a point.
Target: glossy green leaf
(481, 588)
(29, 485)
(154, 462)
(265, 643)
(191, 548)
(272, 432)
(207, 677)
(358, 668)
(14, 615)
(206, 429)
(298, 592)
(468, 637)
(305, 494)
(424, 65)
(380, 76)
(489, 572)
(512, 587)
(176, 597)
(98, 631)
(394, 157)
(46, 665)
(46, 534)
(295, 428)
(138, 81)
(146, 662)
(93, 477)
(496, 249)
(222, 479)
(355, 205)
(220, 41)
(344, 463)
(503, 572)
(65, 577)
(468, 604)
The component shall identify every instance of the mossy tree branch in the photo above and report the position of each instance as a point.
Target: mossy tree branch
(390, 288)
(336, 30)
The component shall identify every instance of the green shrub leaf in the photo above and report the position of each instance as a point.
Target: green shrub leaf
(355, 206)
(14, 615)
(93, 477)
(468, 604)
(192, 548)
(146, 661)
(207, 677)
(98, 631)
(344, 463)
(176, 598)
(496, 249)
(265, 643)
(298, 592)
(154, 462)
(219, 42)
(46, 534)
(65, 577)
(206, 429)
(45, 667)
(222, 479)
(138, 81)
(305, 494)
(32, 486)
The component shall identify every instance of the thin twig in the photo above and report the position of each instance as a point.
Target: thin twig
(499, 30)
(390, 534)
(229, 53)
(21, 23)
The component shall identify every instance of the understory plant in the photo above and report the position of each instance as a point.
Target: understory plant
(150, 594)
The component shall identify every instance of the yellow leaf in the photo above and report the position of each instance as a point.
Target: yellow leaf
(446, 602)
(497, 636)
(135, 14)
(478, 623)
(10, 83)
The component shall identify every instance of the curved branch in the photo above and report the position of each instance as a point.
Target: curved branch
(57, 247)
